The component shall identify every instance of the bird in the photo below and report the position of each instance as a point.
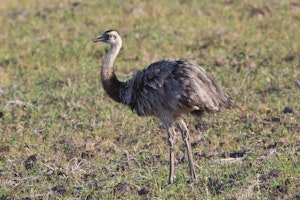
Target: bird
(166, 89)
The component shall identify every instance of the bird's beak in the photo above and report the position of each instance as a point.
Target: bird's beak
(99, 38)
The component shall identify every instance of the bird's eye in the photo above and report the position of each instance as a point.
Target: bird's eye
(112, 37)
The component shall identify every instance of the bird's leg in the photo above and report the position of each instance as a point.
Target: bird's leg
(186, 138)
(172, 140)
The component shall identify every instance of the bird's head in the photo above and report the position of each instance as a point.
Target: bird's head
(111, 37)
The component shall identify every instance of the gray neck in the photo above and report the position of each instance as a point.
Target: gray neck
(110, 82)
(107, 69)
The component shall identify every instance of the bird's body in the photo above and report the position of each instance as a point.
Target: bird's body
(165, 89)
(168, 88)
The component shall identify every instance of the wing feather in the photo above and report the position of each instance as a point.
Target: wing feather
(175, 86)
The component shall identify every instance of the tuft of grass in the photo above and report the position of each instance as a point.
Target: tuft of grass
(62, 137)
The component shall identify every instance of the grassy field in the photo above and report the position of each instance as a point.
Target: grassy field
(63, 138)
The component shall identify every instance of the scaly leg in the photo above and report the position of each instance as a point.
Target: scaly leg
(186, 138)
(172, 140)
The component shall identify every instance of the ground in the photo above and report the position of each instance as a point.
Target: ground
(63, 138)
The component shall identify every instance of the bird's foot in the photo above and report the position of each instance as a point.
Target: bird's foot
(171, 181)
(191, 181)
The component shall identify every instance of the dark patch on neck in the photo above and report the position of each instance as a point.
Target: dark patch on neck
(110, 31)
(112, 88)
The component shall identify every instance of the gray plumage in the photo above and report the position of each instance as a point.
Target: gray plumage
(166, 89)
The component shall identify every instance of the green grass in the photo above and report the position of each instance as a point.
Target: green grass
(85, 146)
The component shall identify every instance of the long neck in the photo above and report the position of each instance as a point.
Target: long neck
(110, 82)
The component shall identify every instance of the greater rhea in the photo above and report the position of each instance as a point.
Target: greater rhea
(165, 89)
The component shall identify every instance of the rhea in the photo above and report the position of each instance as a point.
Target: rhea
(165, 89)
